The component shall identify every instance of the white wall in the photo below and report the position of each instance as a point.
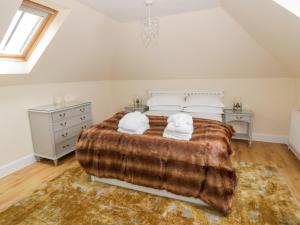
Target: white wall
(201, 44)
(298, 94)
(15, 100)
(270, 99)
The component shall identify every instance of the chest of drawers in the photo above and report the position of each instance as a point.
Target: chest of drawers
(55, 128)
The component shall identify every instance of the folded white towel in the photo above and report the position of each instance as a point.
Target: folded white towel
(180, 127)
(177, 136)
(141, 130)
(134, 122)
(181, 119)
(183, 128)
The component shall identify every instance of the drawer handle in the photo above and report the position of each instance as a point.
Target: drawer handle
(66, 146)
(82, 110)
(82, 118)
(63, 124)
(62, 115)
(65, 135)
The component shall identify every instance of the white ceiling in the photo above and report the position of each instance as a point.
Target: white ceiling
(129, 10)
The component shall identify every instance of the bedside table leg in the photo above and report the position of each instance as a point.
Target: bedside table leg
(250, 130)
(55, 161)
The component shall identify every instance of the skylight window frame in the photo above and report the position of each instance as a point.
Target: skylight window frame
(38, 35)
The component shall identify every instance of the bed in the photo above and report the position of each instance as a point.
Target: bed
(197, 171)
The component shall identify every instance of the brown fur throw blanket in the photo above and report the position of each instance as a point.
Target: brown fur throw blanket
(199, 168)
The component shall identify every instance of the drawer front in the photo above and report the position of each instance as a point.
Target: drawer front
(86, 125)
(81, 119)
(62, 124)
(62, 115)
(82, 110)
(243, 118)
(70, 122)
(65, 134)
(65, 146)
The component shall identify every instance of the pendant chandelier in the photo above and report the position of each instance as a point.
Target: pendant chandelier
(150, 27)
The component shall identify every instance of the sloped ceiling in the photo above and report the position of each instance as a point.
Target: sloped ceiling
(274, 27)
(194, 45)
(206, 43)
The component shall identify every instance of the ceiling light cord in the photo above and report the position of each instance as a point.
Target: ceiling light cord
(150, 27)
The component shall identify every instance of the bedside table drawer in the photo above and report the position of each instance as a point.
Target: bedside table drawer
(244, 118)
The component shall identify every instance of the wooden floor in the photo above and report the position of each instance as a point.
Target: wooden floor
(20, 184)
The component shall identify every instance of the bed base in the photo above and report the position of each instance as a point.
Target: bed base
(148, 190)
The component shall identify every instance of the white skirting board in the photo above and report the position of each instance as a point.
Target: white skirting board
(148, 190)
(16, 165)
(270, 138)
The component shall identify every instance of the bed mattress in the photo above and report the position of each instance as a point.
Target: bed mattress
(200, 168)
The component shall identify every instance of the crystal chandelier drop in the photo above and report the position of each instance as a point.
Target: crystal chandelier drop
(150, 27)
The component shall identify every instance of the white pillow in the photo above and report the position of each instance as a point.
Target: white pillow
(166, 100)
(209, 116)
(203, 109)
(165, 108)
(204, 100)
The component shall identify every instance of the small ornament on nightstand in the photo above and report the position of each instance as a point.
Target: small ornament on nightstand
(138, 102)
(137, 106)
(237, 105)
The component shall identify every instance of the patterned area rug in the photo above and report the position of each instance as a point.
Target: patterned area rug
(70, 199)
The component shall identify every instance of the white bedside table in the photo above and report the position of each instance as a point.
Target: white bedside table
(245, 116)
(142, 108)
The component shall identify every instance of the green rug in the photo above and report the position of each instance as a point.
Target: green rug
(70, 199)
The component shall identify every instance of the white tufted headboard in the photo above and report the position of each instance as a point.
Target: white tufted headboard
(185, 94)
(188, 93)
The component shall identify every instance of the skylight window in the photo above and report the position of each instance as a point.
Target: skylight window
(291, 5)
(25, 30)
